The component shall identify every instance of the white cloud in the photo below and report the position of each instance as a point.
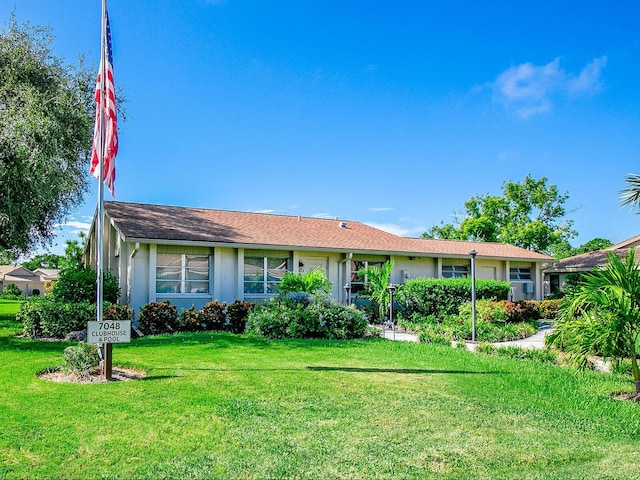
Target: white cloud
(380, 209)
(529, 89)
(84, 226)
(264, 210)
(323, 215)
(589, 79)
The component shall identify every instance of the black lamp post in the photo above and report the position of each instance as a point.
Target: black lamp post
(392, 288)
(473, 295)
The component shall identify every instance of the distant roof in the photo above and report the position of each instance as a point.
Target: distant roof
(586, 261)
(169, 224)
(17, 273)
(47, 272)
(629, 242)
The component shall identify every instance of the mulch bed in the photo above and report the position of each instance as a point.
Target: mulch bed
(626, 396)
(118, 374)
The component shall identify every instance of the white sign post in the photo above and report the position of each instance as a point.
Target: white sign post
(117, 331)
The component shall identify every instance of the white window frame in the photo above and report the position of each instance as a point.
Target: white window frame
(265, 271)
(455, 271)
(520, 273)
(183, 275)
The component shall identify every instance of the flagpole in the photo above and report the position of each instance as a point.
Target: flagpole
(106, 357)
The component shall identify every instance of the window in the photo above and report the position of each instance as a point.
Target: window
(178, 273)
(520, 273)
(358, 281)
(262, 275)
(455, 271)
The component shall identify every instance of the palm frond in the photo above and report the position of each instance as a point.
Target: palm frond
(630, 196)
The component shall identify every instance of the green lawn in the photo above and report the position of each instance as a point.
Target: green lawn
(221, 406)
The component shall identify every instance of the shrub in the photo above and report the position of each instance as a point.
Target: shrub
(237, 313)
(441, 297)
(548, 309)
(298, 317)
(621, 367)
(191, 320)
(117, 312)
(435, 335)
(63, 318)
(80, 285)
(80, 360)
(544, 356)
(459, 328)
(213, 316)
(11, 292)
(486, 311)
(158, 317)
(522, 311)
(30, 315)
(312, 282)
(47, 317)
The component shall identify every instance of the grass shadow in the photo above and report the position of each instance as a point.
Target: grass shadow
(398, 370)
(30, 344)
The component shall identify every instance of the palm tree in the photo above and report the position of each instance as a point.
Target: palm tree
(377, 285)
(603, 314)
(631, 195)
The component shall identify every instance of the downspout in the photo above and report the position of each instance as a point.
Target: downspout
(343, 271)
(136, 247)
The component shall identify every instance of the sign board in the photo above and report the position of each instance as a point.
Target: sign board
(109, 331)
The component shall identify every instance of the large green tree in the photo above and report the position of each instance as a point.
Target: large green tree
(43, 260)
(563, 249)
(46, 120)
(530, 214)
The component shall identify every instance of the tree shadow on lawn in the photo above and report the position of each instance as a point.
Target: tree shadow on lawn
(418, 371)
(400, 370)
(30, 344)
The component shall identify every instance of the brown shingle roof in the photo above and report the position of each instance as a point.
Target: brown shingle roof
(145, 222)
(586, 261)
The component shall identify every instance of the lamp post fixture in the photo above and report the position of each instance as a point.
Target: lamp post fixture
(347, 293)
(473, 295)
(392, 288)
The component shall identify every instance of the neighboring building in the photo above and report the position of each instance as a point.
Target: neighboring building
(555, 274)
(25, 279)
(191, 256)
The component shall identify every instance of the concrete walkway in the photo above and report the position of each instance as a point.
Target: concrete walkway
(536, 341)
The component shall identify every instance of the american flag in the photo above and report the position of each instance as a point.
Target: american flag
(106, 124)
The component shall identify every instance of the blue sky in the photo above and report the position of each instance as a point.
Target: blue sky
(392, 113)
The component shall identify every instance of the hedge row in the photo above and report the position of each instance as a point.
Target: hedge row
(162, 317)
(443, 297)
(51, 318)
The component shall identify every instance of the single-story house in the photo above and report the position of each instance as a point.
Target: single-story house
(555, 274)
(26, 280)
(191, 256)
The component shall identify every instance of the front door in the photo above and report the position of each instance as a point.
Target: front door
(309, 263)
